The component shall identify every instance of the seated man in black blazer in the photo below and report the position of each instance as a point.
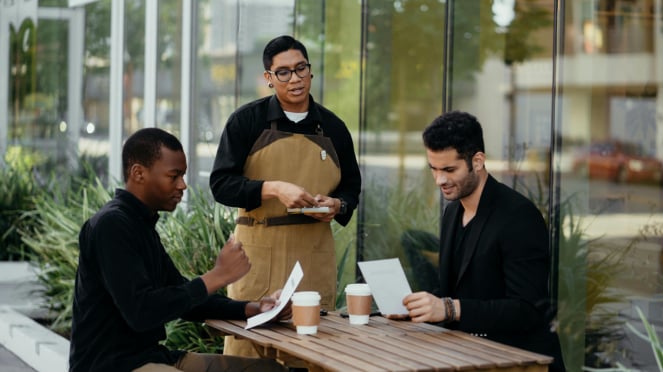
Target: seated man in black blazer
(494, 256)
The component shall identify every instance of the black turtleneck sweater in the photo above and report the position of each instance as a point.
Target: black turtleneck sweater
(127, 288)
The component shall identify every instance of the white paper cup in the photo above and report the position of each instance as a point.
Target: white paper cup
(358, 298)
(306, 312)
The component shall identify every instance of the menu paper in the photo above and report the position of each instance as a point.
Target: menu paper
(288, 289)
(388, 284)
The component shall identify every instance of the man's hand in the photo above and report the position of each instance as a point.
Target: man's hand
(231, 264)
(326, 201)
(424, 307)
(289, 194)
(267, 303)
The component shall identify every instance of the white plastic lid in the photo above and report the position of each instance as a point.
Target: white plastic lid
(358, 289)
(306, 298)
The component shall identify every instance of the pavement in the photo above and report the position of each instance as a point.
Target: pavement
(11, 363)
(25, 345)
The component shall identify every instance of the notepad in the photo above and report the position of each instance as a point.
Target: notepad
(288, 289)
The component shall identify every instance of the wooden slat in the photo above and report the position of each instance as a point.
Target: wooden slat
(382, 350)
(327, 359)
(382, 345)
(520, 353)
(480, 358)
(433, 350)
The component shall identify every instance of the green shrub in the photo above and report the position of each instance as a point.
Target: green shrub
(53, 238)
(649, 336)
(405, 227)
(17, 186)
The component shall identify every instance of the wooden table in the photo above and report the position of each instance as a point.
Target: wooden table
(382, 345)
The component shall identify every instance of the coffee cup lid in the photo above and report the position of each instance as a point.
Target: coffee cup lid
(306, 296)
(358, 288)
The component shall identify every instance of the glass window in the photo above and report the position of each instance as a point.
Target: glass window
(609, 168)
(331, 32)
(94, 144)
(45, 86)
(401, 94)
(598, 131)
(228, 65)
(169, 67)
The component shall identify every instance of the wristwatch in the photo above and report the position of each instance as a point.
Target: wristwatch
(343, 208)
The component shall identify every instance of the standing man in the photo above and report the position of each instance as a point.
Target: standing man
(286, 151)
(127, 287)
(494, 256)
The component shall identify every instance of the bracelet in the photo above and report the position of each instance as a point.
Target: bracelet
(454, 317)
(449, 310)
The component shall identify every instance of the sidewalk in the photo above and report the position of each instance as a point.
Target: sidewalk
(25, 345)
(12, 363)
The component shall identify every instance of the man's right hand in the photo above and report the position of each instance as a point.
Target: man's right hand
(289, 194)
(231, 264)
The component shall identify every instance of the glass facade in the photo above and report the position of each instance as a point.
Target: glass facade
(568, 92)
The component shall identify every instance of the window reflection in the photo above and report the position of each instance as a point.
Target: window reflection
(403, 93)
(611, 177)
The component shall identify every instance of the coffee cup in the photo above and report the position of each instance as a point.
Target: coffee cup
(306, 312)
(359, 299)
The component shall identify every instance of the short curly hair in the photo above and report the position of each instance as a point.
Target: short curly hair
(455, 130)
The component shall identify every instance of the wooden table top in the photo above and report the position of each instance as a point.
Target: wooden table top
(381, 345)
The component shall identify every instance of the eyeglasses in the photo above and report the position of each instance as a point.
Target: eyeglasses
(284, 75)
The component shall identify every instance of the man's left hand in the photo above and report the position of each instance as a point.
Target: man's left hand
(326, 201)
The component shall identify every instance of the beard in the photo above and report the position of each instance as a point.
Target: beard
(465, 187)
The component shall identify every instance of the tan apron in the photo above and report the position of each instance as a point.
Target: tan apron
(311, 162)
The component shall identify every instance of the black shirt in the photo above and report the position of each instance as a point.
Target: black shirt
(459, 241)
(243, 128)
(127, 288)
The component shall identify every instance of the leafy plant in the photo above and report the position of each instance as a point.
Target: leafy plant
(586, 271)
(422, 250)
(53, 238)
(651, 337)
(190, 336)
(195, 232)
(390, 232)
(16, 189)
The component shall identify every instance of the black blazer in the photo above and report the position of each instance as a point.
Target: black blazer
(503, 280)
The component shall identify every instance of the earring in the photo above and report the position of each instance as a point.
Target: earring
(270, 85)
(311, 76)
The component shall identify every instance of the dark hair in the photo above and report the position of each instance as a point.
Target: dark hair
(144, 147)
(278, 45)
(455, 130)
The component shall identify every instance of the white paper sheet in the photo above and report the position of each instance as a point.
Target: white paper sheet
(388, 284)
(288, 289)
